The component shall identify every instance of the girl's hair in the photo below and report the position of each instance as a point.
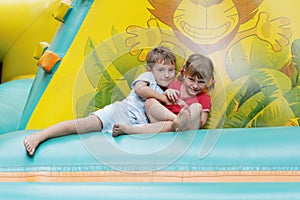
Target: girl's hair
(201, 67)
(162, 55)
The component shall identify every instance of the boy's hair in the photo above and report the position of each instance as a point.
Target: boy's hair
(200, 66)
(162, 55)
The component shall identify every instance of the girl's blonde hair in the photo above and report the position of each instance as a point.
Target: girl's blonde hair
(201, 67)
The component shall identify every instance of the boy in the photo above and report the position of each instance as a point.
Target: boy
(161, 64)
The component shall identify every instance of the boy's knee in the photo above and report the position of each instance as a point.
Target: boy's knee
(151, 101)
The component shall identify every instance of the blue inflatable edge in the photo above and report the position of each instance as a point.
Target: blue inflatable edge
(142, 191)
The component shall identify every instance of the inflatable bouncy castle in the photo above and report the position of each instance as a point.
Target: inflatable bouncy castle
(61, 60)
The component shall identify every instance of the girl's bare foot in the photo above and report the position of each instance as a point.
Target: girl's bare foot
(31, 142)
(118, 129)
(180, 121)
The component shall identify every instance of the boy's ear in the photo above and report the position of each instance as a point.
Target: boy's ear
(148, 68)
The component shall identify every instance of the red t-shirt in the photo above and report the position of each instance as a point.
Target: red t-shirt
(201, 98)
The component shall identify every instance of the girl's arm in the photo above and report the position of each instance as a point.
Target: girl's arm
(203, 119)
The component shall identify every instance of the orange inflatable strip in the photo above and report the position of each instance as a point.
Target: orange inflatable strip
(156, 176)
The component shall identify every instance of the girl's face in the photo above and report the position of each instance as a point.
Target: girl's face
(193, 85)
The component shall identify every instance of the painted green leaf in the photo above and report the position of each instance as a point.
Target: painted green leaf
(236, 62)
(239, 60)
(95, 66)
(293, 98)
(276, 113)
(241, 117)
(262, 56)
(224, 102)
(296, 57)
(266, 108)
(273, 83)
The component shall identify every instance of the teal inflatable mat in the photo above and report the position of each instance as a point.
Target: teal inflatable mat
(151, 191)
(237, 150)
(13, 96)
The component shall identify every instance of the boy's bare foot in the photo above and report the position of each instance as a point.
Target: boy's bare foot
(31, 142)
(180, 121)
(118, 129)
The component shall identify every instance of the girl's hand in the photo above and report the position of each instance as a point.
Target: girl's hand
(172, 94)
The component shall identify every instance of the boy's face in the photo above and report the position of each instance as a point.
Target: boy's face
(163, 74)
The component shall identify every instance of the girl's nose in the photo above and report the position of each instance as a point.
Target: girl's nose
(195, 85)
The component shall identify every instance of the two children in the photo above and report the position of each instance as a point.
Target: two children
(129, 115)
(190, 104)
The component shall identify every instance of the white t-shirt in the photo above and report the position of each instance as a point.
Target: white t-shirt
(129, 111)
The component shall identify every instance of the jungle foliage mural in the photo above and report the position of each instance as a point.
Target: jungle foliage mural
(255, 49)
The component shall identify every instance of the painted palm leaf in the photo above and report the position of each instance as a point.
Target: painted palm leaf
(293, 98)
(225, 102)
(262, 57)
(246, 112)
(253, 53)
(296, 57)
(258, 112)
(273, 83)
(110, 69)
(276, 113)
(95, 59)
(266, 108)
(236, 62)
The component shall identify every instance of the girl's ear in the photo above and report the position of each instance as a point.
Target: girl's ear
(148, 68)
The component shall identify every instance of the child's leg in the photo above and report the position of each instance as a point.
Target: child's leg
(155, 127)
(83, 125)
(157, 112)
(194, 122)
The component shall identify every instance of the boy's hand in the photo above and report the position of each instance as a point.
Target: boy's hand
(172, 95)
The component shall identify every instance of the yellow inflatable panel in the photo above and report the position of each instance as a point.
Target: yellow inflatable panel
(252, 44)
(23, 24)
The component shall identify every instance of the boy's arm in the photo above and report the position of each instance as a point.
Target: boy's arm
(142, 89)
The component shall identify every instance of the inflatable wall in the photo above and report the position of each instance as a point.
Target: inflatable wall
(248, 148)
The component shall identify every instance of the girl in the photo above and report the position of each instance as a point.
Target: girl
(190, 103)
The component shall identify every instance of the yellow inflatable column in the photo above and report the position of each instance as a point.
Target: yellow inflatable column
(23, 24)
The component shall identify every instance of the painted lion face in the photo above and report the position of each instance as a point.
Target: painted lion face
(204, 24)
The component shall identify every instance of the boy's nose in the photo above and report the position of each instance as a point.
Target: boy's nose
(167, 74)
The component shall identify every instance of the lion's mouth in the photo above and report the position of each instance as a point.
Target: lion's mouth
(204, 33)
